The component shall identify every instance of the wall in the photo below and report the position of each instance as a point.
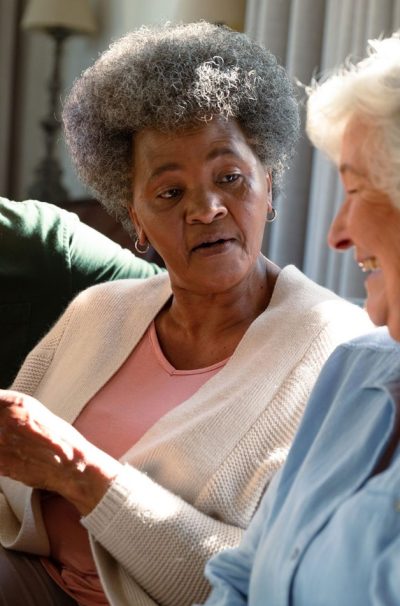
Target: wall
(115, 18)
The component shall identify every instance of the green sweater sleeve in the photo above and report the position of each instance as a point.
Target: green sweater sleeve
(94, 258)
(47, 256)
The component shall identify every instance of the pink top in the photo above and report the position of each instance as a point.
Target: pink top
(114, 419)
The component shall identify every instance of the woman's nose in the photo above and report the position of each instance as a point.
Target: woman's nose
(205, 207)
(338, 234)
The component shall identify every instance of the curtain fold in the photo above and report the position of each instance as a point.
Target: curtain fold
(9, 15)
(310, 37)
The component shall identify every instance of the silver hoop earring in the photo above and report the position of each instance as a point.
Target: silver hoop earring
(142, 250)
(271, 215)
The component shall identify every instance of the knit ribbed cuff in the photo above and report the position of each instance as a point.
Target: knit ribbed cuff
(115, 499)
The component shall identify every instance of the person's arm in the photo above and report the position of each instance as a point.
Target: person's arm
(47, 257)
(43, 451)
(133, 497)
(94, 258)
(230, 572)
(157, 537)
(384, 589)
(138, 516)
(161, 540)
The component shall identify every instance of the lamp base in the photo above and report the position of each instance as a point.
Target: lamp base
(47, 184)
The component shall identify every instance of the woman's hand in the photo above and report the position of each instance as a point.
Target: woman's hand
(42, 450)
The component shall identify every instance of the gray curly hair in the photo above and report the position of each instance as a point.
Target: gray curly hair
(168, 77)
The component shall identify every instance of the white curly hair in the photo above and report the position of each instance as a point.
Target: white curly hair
(370, 90)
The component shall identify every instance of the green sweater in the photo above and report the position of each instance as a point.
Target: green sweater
(47, 256)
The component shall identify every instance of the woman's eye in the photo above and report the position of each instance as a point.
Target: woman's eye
(170, 194)
(230, 178)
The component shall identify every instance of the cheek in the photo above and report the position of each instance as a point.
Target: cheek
(256, 199)
(144, 217)
(157, 237)
(164, 236)
(363, 230)
(253, 227)
(376, 220)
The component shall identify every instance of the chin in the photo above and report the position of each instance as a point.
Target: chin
(393, 325)
(377, 310)
(394, 332)
(374, 316)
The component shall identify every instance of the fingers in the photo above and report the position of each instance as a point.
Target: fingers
(7, 396)
(31, 439)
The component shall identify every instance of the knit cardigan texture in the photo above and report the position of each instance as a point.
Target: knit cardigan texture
(192, 483)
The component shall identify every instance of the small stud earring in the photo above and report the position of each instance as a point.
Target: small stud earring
(271, 215)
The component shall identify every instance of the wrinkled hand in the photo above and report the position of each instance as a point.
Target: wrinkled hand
(42, 450)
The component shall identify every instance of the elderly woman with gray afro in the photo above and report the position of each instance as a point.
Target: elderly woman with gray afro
(145, 427)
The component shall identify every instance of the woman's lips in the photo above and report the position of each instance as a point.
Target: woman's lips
(370, 264)
(217, 246)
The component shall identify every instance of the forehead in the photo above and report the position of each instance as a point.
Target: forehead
(354, 149)
(152, 146)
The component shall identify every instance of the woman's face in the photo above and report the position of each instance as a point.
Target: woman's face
(369, 222)
(200, 198)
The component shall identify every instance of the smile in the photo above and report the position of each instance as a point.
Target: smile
(370, 264)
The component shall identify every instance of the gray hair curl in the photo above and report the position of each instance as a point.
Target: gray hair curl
(168, 77)
(369, 89)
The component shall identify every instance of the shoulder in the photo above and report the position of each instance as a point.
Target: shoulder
(378, 340)
(298, 290)
(355, 372)
(368, 359)
(32, 218)
(31, 229)
(124, 293)
(351, 375)
(298, 299)
(352, 401)
(34, 249)
(376, 344)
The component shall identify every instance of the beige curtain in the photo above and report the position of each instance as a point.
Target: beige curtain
(9, 16)
(310, 36)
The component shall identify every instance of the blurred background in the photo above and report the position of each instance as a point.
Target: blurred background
(307, 36)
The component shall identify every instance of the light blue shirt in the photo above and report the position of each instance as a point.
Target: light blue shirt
(327, 532)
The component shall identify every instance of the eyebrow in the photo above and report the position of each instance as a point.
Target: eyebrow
(172, 166)
(220, 151)
(163, 168)
(347, 168)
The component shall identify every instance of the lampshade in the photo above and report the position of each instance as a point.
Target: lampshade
(74, 15)
(227, 12)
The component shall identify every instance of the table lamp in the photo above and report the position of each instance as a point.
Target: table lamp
(59, 19)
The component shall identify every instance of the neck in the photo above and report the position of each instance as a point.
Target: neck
(197, 312)
(199, 329)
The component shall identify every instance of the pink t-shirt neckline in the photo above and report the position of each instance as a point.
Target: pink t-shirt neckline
(167, 366)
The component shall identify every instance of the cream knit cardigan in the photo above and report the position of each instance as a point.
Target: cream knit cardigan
(192, 483)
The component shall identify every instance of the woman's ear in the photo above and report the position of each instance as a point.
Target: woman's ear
(136, 223)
